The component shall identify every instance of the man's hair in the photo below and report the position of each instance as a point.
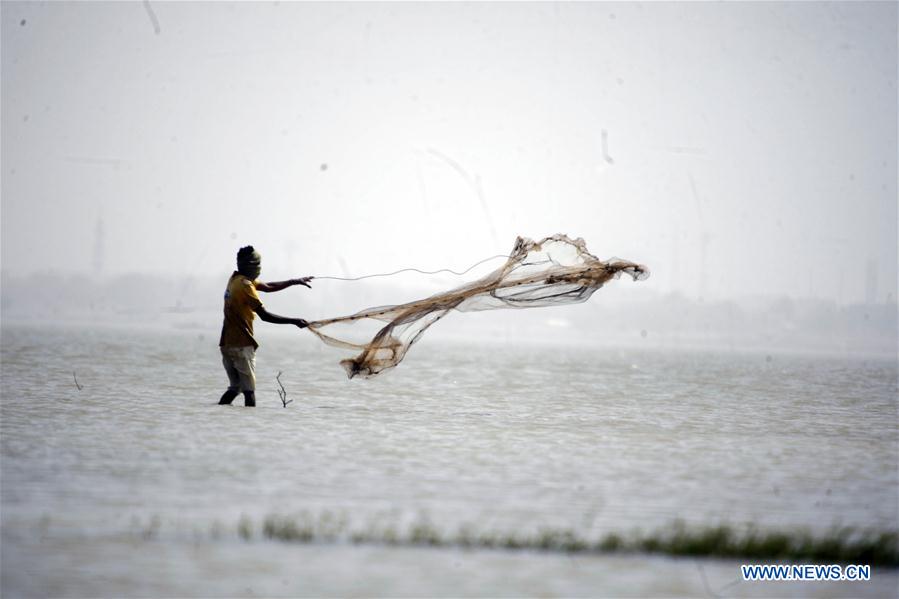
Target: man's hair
(248, 261)
(245, 252)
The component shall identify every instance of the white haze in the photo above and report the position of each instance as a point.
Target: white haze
(736, 149)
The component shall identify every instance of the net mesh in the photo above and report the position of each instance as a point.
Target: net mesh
(550, 272)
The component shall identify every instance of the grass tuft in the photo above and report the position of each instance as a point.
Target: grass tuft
(838, 545)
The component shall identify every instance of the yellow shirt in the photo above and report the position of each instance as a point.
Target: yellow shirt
(241, 303)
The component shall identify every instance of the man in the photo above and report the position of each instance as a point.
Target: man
(237, 343)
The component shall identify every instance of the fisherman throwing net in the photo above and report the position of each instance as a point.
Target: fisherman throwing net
(553, 271)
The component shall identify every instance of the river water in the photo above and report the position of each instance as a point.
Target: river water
(137, 484)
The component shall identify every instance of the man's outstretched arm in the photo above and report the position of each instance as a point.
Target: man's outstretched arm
(275, 319)
(279, 285)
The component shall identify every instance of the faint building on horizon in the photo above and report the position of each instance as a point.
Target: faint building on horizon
(99, 247)
(871, 281)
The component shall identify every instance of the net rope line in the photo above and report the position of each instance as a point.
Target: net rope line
(424, 272)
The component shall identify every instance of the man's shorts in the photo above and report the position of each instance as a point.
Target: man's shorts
(240, 364)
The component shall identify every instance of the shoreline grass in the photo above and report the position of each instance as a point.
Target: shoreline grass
(845, 545)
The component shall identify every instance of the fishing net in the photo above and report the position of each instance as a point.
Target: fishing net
(553, 271)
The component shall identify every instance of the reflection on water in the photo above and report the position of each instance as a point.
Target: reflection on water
(492, 438)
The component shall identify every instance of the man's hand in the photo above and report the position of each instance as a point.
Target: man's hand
(302, 281)
(275, 319)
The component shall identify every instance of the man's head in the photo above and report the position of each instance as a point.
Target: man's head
(249, 262)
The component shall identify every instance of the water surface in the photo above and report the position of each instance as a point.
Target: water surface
(140, 472)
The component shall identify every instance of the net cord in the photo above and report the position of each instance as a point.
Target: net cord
(424, 272)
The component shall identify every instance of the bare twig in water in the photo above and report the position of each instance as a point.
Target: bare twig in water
(282, 392)
(76, 381)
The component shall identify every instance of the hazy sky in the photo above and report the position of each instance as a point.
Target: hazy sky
(734, 148)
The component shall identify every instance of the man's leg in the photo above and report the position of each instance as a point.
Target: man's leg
(233, 378)
(245, 364)
(228, 397)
